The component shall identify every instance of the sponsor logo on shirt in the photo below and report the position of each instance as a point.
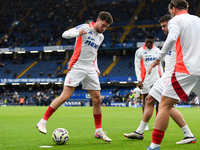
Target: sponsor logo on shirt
(150, 58)
(91, 38)
(92, 44)
(170, 53)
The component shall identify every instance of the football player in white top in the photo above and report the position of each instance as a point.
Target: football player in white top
(156, 92)
(83, 67)
(144, 56)
(184, 31)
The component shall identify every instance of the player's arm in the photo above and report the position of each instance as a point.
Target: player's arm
(160, 70)
(174, 32)
(160, 67)
(74, 32)
(95, 61)
(137, 66)
(96, 67)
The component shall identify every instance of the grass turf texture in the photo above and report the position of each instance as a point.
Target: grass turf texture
(18, 128)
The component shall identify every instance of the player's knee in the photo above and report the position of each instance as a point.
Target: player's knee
(64, 98)
(149, 100)
(97, 101)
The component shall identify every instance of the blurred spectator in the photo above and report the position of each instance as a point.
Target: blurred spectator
(28, 75)
(2, 64)
(41, 74)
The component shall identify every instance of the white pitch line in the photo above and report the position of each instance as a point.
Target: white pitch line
(46, 146)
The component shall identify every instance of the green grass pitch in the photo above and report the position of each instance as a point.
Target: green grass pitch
(18, 128)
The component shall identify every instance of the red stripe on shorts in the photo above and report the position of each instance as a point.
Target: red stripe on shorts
(178, 89)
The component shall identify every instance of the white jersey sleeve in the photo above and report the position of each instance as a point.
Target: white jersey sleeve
(184, 31)
(170, 61)
(86, 46)
(137, 65)
(73, 32)
(96, 65)
(174, 32)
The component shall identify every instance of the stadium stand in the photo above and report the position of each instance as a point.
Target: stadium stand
(33, 25)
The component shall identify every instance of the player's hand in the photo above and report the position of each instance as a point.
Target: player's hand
(140, 84)
(154, 63)
(98, 73)
(82, 32)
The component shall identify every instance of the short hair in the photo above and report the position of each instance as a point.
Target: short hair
(166, 17)
(180, 4)
(103, 15)
(150, 36)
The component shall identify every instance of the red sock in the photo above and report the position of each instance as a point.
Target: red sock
(157, 136)
(97, 120)
(48, 113)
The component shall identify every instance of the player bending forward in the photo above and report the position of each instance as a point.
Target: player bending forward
(83, 67)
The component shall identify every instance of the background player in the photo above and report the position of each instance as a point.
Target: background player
(83, 67)
(137, 97)
(144, 56)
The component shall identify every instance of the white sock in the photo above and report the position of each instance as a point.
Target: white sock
(187, 131)
(153, 145)
(142, 126)
(43, 121)
(99, 129)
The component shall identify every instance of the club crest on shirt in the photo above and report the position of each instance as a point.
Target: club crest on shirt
(100, 39)
(70, 81)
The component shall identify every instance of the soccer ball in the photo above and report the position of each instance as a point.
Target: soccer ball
(60, 136)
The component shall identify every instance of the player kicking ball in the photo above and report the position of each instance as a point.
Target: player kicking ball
(83, 68)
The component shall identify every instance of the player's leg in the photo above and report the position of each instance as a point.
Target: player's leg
(157, 104)
(96, 98)
(148, 112)
(179, 87)
(162, 121)
(178, 118)
(143, 101)
(135, 102)
(74, 76)
(149, 108)
(143, 108)
(65, 95)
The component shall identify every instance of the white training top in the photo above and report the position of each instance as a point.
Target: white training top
(196, 100)
(184, 31)
(137, 92)
(170, 61)
(85, 51)
(143, 59)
